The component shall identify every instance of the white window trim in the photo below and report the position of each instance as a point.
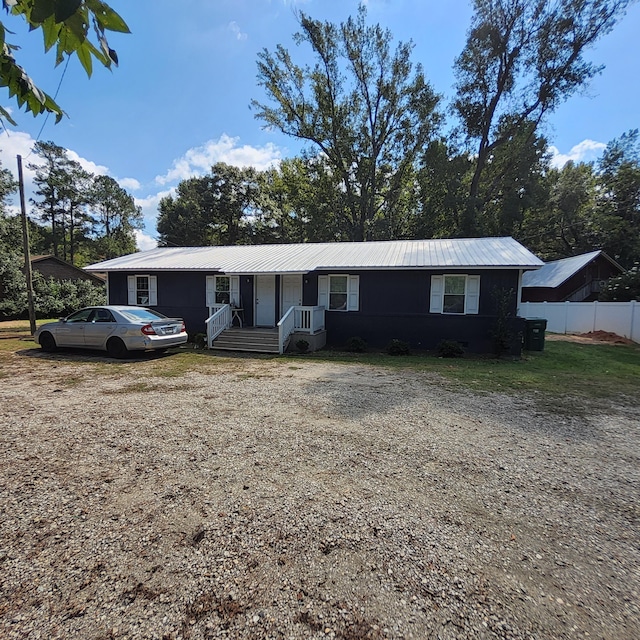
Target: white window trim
(353, 292)
(211, 287)
(132, 290)
(471, 294)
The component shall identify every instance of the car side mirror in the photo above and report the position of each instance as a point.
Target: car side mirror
(62, 319)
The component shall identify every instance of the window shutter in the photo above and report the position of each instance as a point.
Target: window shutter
(437, 284)
(353, 299)
(323, 291)
(210, 291)
(234, 290)
(131, 289)
(153, 291)
(473, 294)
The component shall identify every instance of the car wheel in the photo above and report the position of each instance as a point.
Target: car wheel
(116, 348)
(48, 342)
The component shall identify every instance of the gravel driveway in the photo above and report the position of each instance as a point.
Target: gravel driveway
(289, 498)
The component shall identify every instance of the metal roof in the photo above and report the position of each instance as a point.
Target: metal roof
(302, 258)
(553, 274)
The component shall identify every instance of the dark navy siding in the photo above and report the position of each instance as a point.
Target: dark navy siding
(393, 304)
(180, 295)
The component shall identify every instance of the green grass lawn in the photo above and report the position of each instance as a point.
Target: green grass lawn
(563, 368)
(589, 371)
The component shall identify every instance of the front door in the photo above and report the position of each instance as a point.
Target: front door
(265, 301)
(291, 292)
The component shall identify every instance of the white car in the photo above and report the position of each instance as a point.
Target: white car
(116, 329)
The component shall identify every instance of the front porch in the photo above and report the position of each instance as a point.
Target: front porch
(297, 323)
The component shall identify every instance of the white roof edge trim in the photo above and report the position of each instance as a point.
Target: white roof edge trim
(336, 268)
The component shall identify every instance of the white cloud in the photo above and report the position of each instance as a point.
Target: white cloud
(585, 151)
(198, 160)
(235, 29)
(130, 184)
(144, 242)
(88, 165)
(16, 143)
(13, 143)
(149, 205)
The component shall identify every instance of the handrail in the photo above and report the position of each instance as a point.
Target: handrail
(309, 319)
(286, 327)
(218, 322)
(591, 286)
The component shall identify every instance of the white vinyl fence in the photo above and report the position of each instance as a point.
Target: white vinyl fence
(622, 318)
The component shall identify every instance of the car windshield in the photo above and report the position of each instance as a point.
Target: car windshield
(146, 315)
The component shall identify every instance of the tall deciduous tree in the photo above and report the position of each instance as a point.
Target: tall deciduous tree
(218, 208)
(364, 106)
(300, 200)
(619, 198)
(442, 181)
(66, 25)
(563, 226)
(522, 58)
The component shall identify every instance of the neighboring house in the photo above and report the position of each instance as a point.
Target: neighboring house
(52, 267)
(419, 291)
(576, 279)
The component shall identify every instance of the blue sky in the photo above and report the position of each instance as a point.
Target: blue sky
(179, 101)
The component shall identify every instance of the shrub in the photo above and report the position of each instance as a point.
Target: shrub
(13, 286)
(398, 348)
(624, 287)
(356, 344)
(52, 298)
(450, 349)
(302, 346)
(62, 297)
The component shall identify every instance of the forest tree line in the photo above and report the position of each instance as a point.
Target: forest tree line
(379, 165)
(385, 157)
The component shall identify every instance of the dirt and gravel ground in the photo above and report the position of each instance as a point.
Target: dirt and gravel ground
(290, 498)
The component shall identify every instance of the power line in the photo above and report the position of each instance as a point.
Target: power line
(55, 96)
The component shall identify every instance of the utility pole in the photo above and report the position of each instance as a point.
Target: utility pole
(27, 253)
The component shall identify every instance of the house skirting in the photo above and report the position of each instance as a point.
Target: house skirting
(316, 341)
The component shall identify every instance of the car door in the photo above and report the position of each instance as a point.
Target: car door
(100, 325)
(70, 332)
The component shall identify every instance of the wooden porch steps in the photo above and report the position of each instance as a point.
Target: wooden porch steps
(252, 339)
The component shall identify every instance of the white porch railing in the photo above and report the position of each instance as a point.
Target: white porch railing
(217, 322)
(309, 319)
(299, 320)
(286, 327)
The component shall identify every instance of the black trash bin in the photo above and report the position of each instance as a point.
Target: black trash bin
(534, 334)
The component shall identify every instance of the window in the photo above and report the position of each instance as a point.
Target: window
(339, 292)
(454, 291)
(223, 290)
(80, 316)
(102, 315)
(455, 294)
(143, 290)
(338, 286)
